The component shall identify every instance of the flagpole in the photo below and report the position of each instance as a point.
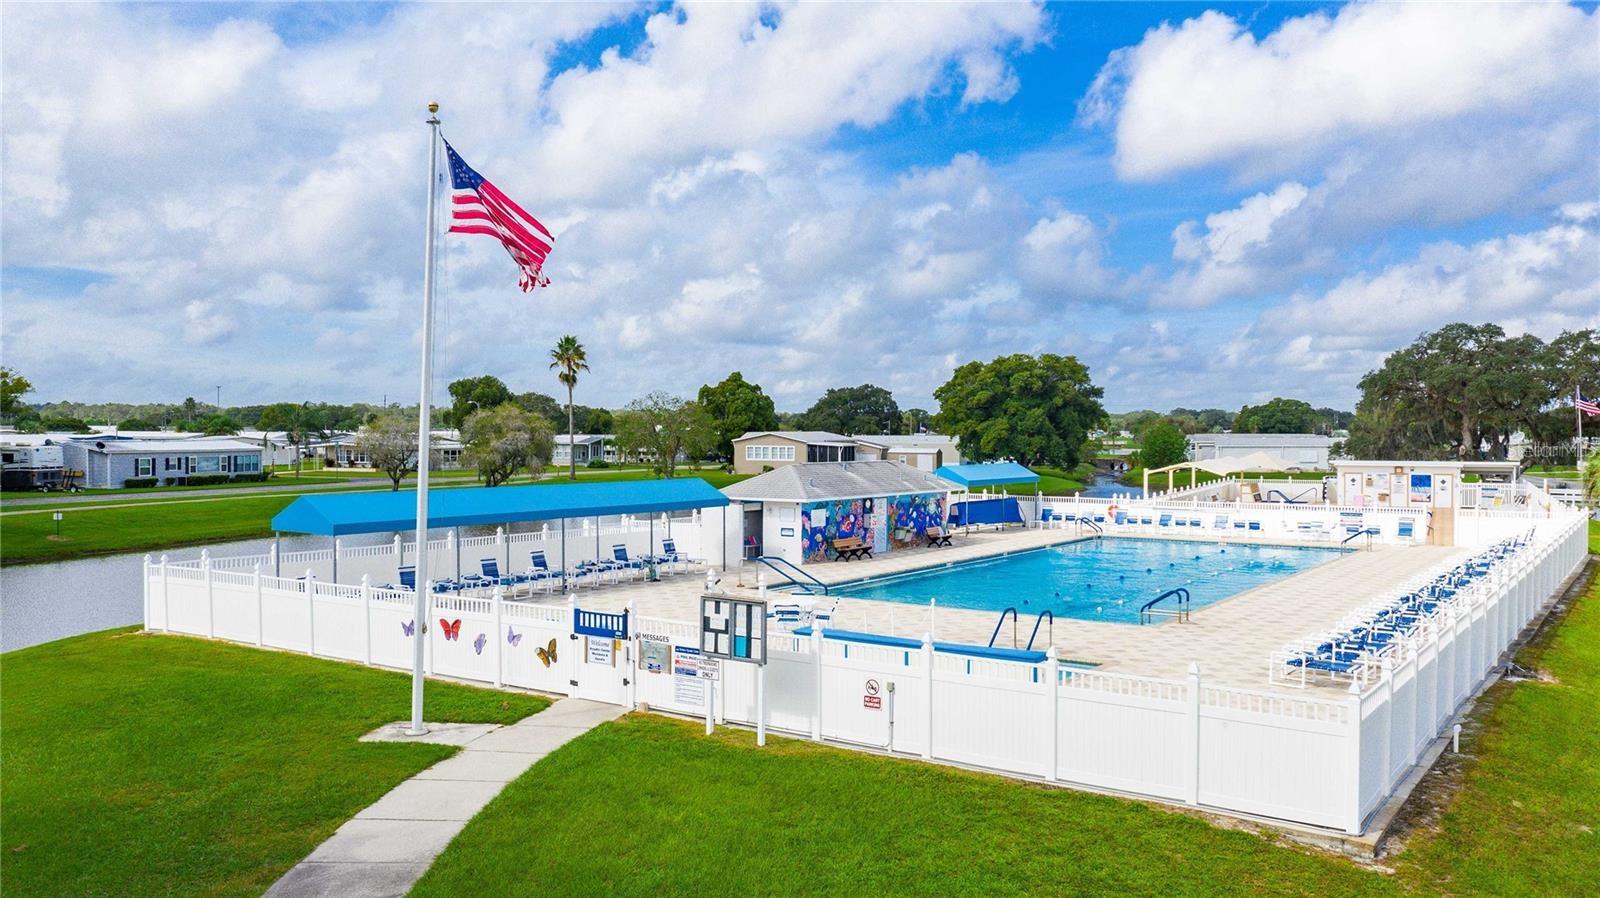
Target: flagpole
(424, 587)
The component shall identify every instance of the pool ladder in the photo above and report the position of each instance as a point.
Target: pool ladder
(1149, 612)
(1031, 636)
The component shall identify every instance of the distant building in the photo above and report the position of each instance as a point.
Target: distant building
(760, 450)
(109, 461)
(1307, 450)
(923, 451)
(585, 447)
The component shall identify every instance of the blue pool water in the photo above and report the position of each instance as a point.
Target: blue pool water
(1104, 579)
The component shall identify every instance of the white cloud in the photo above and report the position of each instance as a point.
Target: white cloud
(1207, 91)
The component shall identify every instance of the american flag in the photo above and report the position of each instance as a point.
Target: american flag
(1585, 406)
(478, 207)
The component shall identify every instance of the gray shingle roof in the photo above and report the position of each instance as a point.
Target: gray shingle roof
(804, 436)
(823, 480)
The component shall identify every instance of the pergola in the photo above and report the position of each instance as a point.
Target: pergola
(1223, 467)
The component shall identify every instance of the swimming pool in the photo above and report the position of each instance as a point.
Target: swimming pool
(1104, 579)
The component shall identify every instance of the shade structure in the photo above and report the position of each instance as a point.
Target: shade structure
(345, 513)
(991, 474)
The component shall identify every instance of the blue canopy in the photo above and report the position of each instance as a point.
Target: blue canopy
(337, 514)
(987, 474)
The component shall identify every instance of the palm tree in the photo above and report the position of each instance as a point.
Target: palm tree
(569, 357)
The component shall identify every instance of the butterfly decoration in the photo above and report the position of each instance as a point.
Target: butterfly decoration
(548, 656)
(452, 629)
(480, 642)
(409, 626)
(513, 637)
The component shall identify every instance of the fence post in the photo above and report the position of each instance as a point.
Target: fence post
(336, 546)
(273, 551)
(211, 605)
(1192, 733)
(630, 679)
(146, 585)
(1052, 678)
(166, 602)
(311, 612)
(452, 543)
(399, 552)
(366, 617)
(927, 690)
(1387, 668)
(260, 614)
(574, 661)
(499, 655)
(816, 663)
(1352, 822)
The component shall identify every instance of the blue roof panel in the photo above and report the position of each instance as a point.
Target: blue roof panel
(337, 514)
(990, 474)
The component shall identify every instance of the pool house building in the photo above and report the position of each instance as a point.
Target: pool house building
(804, 512)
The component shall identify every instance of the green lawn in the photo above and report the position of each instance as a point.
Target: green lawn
(276, 480)
(161, 765)
(720, 816)
(1060, 482)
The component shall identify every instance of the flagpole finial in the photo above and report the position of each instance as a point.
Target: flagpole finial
(433, 107)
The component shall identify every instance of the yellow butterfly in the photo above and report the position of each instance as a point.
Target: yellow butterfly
(548, 656)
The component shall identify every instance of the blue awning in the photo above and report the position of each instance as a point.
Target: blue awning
(991, 474)
(338, 514)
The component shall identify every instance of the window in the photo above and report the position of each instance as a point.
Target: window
(247, 464)
(830, 453)
(145, 467)
(205, 464)
(769, 453)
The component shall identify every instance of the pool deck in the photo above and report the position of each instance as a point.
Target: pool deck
(1230, 640)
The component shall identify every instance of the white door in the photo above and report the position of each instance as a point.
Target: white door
(1443, 491)
(601, 667)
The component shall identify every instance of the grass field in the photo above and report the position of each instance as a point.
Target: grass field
(161, 765)
(1060, 482)
(276, 480)
(806, 819)
(152, 523)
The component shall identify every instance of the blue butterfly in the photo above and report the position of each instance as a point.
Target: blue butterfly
(513, 637)
(480, 642)
(410, 626)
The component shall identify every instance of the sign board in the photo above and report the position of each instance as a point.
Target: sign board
(732, 628)
(655, 654)
(1422, 489)
(692, 671)
(870, 697)
(601, 650)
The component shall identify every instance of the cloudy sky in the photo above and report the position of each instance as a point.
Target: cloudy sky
(1208, 205)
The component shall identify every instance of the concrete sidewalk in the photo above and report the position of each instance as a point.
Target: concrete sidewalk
(386, 848)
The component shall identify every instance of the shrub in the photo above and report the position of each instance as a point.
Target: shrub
(207, 479)
(598, 463)
(134, 482)
(250, 478)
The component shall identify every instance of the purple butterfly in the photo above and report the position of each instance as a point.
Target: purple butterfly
(480, 642)
(410, 626)
(513, 637)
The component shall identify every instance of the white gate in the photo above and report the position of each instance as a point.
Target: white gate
(602, 656)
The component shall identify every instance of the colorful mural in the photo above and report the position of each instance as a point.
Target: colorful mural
(883, 523)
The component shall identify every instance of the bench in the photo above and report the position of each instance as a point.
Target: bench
(854, 547)
(936, 537)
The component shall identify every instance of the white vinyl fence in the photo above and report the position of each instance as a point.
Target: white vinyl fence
(1326, 762)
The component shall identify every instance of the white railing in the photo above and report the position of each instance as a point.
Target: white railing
(1326, 762)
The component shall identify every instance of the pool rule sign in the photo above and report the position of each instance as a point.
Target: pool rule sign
(735, 629)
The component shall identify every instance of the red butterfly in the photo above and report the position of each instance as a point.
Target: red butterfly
(452, 629)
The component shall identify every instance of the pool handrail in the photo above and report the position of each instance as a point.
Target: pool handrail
(1148, 610)
(810, 585)
(1000, 623)
(1037, 621)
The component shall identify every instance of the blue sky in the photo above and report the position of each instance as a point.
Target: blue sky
(1209, 204)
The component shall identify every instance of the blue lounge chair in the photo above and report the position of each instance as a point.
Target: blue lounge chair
(1047, 517)
(619, 556)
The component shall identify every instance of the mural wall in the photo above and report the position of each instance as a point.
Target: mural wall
(887, 523)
